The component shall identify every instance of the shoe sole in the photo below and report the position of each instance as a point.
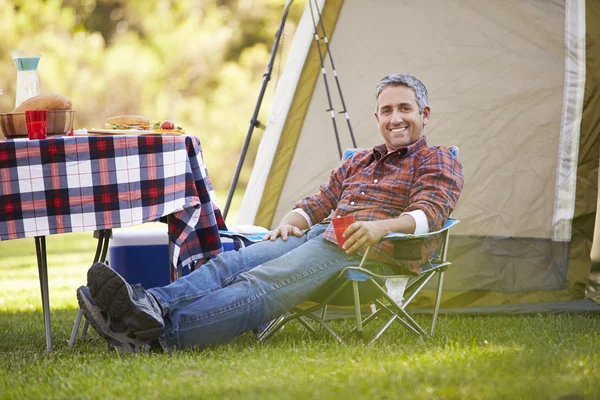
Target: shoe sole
(94, 318)
(116, 341)
(112, 294)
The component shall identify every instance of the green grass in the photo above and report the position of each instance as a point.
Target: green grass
(524, 357)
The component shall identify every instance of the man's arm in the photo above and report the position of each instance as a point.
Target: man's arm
(293, 223)
(435, 192)
(366, 233)
(311, 209)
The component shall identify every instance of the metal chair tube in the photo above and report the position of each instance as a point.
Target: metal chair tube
(356, 296)
(438, 299)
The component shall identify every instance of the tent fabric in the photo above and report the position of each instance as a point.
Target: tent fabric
(510, 83)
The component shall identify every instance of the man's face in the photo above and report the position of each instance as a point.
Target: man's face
(398, 117)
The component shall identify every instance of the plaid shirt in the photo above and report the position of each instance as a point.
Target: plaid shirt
(374, 185)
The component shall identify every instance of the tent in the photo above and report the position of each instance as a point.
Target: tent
(514, 84)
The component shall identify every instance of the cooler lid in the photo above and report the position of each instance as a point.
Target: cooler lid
(139, 237)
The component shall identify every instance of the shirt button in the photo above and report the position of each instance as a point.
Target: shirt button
(375, 181)
(351, 203)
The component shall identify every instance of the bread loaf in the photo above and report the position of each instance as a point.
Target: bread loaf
(49, 101)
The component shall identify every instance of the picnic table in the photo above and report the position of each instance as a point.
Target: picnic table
(97, 183)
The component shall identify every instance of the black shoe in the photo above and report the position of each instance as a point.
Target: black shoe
(116, 334)
(132, 304)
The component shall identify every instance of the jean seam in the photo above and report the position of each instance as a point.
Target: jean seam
(270, 289)
(166, 305)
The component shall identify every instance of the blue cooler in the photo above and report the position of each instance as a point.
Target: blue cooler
(141, 256)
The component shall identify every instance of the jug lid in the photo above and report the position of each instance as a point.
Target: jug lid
(25, 60)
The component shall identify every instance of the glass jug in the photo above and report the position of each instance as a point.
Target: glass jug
(28, 83)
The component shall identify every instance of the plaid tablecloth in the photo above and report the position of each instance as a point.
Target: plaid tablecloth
(74, 184)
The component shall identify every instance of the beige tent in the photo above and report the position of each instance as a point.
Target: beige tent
(513, 84)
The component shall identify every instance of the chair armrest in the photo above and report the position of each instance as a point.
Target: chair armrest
(252, 237)
(396, 236)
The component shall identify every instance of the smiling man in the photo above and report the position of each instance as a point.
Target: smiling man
(403, 185)
(400, 117)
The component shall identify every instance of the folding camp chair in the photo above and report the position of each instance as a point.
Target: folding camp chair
(387, 294)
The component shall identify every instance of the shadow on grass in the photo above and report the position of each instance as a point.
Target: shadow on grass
(24, 331)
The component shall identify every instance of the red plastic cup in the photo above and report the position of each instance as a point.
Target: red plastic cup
(37, 121)
(339, 225)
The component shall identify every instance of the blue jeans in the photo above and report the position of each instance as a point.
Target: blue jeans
(239, 290)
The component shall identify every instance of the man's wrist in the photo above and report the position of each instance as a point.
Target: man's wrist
(304, 215)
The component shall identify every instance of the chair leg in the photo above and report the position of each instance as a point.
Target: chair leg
(368, 319)
(306, 325)
(324, 312)
(438, 299)
(100, 255)
(403, 314)
(274, 326)
(399, 319)
(75, 328)
(359, 327)
(384, 328)
(324, 325)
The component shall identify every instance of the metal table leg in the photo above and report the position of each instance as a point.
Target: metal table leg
(40, 249)
(173, 272)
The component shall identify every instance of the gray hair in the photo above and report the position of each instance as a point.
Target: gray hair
(408, 81)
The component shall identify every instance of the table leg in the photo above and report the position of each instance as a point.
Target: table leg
(173, 273)
(40, 249)
(103, 237)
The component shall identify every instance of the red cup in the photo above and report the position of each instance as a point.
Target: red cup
(37, 121)
(339, 225)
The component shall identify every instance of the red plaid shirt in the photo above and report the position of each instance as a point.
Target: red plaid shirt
(374, 185)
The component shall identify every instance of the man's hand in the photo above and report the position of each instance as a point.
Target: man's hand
(284, 231)
(362, 234)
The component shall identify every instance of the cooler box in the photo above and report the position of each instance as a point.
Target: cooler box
(141, 256)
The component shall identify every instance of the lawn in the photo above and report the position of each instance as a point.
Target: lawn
(524, 357)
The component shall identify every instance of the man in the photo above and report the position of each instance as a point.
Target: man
(402, 185)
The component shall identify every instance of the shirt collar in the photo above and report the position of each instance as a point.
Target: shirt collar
(381, 150)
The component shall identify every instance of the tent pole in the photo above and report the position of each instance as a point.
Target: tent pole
(324, 74)
(335, 74)
(254, 122)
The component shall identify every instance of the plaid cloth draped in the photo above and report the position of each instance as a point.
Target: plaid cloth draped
(74, 184)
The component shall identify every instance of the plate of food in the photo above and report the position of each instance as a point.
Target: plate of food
(136, 125)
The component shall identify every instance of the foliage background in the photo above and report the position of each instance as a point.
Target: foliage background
(199, 63)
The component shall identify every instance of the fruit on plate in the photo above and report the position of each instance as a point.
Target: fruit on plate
(49, 101)
(166, 124)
